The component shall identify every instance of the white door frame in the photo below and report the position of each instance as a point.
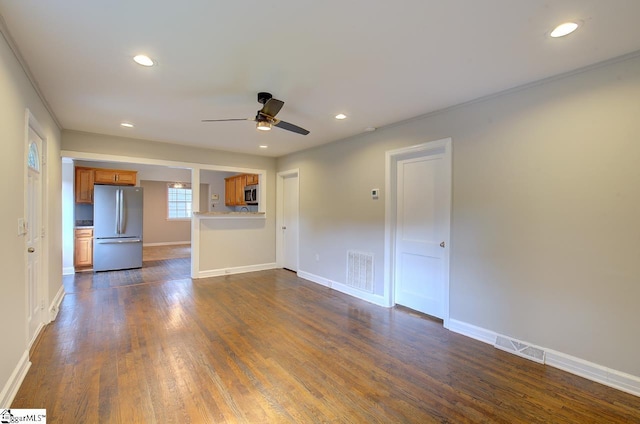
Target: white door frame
(280, 176)
(43, 289)
(392, 157)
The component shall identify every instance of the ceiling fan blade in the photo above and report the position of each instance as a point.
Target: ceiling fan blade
(224, 120)
(290, 127)
(272, 107)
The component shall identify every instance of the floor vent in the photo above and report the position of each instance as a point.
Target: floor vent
(521, 349)
(360, 270)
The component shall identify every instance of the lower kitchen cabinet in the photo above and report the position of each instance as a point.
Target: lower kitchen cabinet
(83, 254)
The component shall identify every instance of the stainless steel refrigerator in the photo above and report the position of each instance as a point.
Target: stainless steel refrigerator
(117, 227)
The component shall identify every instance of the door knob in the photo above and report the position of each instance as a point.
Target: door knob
(31, 250)
(284, 228)
(442, 244)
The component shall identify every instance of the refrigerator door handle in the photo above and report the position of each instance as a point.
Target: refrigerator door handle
(117, 211)
(118, 241)
(123, 224)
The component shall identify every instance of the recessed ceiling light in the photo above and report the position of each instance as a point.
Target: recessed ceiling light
(564, 29)
(126, 124)
(341, 116)
(143, 60)
(262, 146)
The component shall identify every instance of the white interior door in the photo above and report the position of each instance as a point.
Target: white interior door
(422, 228)
(35, 300)
(289, 227)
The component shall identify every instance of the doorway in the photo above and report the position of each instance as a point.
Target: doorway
(418, 228)
(34, 230)
(287, 221)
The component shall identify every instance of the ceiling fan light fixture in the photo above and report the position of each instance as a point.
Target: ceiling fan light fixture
(341, 116)
(263, 126)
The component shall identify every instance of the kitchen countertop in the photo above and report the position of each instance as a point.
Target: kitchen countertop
(229, 214)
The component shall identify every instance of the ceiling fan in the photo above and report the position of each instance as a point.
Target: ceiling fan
(265, 118)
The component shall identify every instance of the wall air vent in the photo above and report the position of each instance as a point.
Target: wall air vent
(360, 270)
(521, 349)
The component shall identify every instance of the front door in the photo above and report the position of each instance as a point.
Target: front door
(34, 227)
(422, 210)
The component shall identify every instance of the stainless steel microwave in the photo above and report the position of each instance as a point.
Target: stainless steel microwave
(251, 195)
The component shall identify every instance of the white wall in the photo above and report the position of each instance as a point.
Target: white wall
(17, 95)
(545, 234)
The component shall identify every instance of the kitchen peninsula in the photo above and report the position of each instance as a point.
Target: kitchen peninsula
(229, 214)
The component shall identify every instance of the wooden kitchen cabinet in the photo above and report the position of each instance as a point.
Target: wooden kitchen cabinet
(83, 253)
(252, 179)
(230, 191)
(84, 185)
(115, 177)
(85, 178)
(234, 190)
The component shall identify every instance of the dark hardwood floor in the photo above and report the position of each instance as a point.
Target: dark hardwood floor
(154, 346)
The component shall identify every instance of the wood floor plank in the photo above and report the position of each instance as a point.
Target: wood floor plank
(153, 346)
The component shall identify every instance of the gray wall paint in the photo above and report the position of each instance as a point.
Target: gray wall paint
(156, 227)
(545, 234)
(18, 95)
(215, 179)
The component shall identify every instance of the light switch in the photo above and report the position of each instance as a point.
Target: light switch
(375, 193)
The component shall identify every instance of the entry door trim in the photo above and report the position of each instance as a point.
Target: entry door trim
(280, 176)
(437, 147)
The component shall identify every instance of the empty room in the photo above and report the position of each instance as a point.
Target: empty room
(294, 212)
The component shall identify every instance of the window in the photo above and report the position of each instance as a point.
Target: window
(178, 201)
(33, 160)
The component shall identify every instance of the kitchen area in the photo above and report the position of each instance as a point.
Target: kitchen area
(118, 210)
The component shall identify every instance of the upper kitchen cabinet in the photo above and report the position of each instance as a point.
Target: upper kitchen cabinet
(84, 185)
(85, 178)
(234, 190)
(252, 179)
(115, 177)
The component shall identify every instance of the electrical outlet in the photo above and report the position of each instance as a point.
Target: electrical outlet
(375, 193)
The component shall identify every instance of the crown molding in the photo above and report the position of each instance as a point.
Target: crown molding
(4, 30)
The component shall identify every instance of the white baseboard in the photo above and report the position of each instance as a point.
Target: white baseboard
(68, 270)
(342, 288)
(609, 377)
(235, 270)
(478, 333)
(55, 304)
(168, 243)
(594, 372)
(10, 389)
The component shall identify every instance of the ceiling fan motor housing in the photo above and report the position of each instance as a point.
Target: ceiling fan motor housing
(264, 97)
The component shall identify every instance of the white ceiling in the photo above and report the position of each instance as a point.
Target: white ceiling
(379, 62)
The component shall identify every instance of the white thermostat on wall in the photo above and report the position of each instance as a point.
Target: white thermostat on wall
(214, 197)
(375, 192)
